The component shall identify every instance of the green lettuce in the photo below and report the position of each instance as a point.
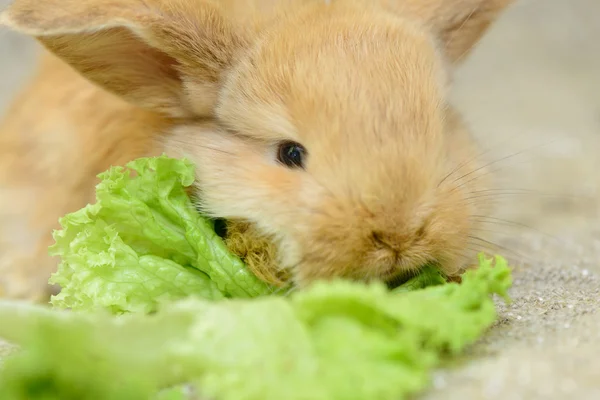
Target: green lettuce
(336, 340)
(159, 306)
(142, 243)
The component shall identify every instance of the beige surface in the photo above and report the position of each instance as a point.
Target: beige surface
(532, 86)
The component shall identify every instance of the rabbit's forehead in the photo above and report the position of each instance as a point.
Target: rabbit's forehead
(334, 73)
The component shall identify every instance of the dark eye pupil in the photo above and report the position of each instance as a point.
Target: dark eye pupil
(291, 154)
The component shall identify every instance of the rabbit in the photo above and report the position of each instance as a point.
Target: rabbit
(322, 127)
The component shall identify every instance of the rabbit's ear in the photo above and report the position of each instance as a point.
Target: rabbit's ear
(458, 24)
(152, 53)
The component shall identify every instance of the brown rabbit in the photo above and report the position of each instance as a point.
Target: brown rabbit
(323, 124)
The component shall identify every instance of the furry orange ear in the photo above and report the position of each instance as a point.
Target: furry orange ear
(458, 24)
(152, 53)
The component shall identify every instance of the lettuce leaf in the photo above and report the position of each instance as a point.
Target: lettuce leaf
(142, 243)
(142, 270)
(336, 340)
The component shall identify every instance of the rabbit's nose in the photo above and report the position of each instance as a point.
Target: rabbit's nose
(394, 241)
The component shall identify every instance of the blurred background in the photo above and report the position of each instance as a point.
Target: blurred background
(533, 87)
(531, 92)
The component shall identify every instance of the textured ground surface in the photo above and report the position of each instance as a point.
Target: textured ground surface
(532, 86)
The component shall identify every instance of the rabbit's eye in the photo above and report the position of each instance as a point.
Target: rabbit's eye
(291, 154)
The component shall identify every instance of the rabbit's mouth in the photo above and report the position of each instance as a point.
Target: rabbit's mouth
(259, 253)
(399, 278)
(397, 281)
